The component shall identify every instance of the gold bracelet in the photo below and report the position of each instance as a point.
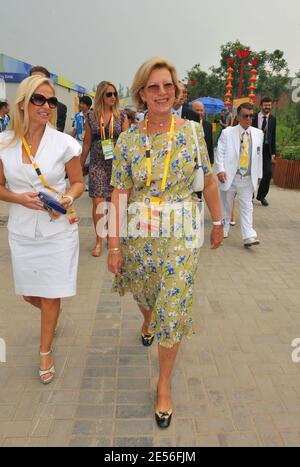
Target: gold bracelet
(70, 198)
(114, 250)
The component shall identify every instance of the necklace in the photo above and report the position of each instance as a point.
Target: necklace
(155, 125)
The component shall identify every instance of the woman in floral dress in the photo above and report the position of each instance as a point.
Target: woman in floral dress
(157, 267)
(103, 125)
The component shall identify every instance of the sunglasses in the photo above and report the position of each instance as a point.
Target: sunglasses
(154, 88)
(39, 100)
(110, 94)
(247, 115)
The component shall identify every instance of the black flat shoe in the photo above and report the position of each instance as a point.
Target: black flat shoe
(263, 201)
(147, 339)
(163, 419)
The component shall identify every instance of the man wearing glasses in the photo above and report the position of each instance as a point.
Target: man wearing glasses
(239, 167)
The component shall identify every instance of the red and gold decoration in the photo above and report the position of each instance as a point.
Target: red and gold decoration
(229, 81)
(242, 54)
(252, 87)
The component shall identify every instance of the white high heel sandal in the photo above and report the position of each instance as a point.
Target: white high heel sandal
(50, 371)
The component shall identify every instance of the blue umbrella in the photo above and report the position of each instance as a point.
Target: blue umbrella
(212, 105)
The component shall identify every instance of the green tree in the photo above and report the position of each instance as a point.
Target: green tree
(201, 83)
(273, 73)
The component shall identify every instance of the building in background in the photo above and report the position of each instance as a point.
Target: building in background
(13, 71)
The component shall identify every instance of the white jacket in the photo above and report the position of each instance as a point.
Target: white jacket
(55, 150)
(228, 155)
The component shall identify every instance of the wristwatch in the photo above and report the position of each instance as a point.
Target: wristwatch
(222, 222)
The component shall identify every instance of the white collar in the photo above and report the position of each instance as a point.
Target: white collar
(242, 130)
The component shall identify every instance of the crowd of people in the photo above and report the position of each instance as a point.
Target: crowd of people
(141, 166)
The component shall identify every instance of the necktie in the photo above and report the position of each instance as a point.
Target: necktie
(244, 157)
(264, 123)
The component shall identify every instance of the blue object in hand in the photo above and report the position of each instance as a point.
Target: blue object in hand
(51, 203)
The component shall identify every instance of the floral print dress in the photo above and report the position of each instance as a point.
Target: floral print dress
(159, 271)
(99, 168)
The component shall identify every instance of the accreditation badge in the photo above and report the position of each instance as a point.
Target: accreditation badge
(108, 149)
(150, 215)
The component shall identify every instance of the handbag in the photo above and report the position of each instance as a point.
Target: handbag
(198, 183)
(198, 186)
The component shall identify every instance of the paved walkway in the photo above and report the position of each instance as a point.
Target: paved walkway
(234, 384)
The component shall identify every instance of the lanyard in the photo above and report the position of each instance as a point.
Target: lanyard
(36, 167)
(71, 213)
(168, 155)
(111, 128)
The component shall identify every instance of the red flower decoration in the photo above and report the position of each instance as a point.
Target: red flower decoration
(243, 54)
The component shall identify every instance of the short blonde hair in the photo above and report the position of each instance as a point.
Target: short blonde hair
(99, 100)
(142, 76)
(20, 119)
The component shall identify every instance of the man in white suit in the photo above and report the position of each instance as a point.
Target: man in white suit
(239, 165)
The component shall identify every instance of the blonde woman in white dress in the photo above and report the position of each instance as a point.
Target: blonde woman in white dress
(44, 244)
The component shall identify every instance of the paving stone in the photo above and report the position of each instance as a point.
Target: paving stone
(135, 442)
(60, 433)
(291, 439)
(208, 441)
(134, 427)
(94, 412)
(246, 439)
(7, 412)
(37, 442)
(164, 442)
(138, 383)
(133, 360)
(103, 384)
(15, 442)
(91, 427)
(89, 442)
(134, 397)
(96, 360)
(234, 383)
(133, 372)
(134, 411)
(99, 372)
(214, 425)
(41, 428)
(96, 397)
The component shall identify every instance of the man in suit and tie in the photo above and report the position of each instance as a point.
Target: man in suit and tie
(267, 123)
(181, 108)
(239, 166)
(198, 108)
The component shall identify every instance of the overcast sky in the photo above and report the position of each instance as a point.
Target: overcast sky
(88, 41)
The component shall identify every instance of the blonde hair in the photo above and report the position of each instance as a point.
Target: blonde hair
(99, 101)
(142, 76)
(20, 119)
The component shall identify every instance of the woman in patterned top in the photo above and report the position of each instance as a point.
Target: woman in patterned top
(102, 129)
(159, 269)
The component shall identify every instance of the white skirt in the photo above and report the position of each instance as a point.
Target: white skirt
(45, 266)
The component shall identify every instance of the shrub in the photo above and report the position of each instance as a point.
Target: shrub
(291, 153)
